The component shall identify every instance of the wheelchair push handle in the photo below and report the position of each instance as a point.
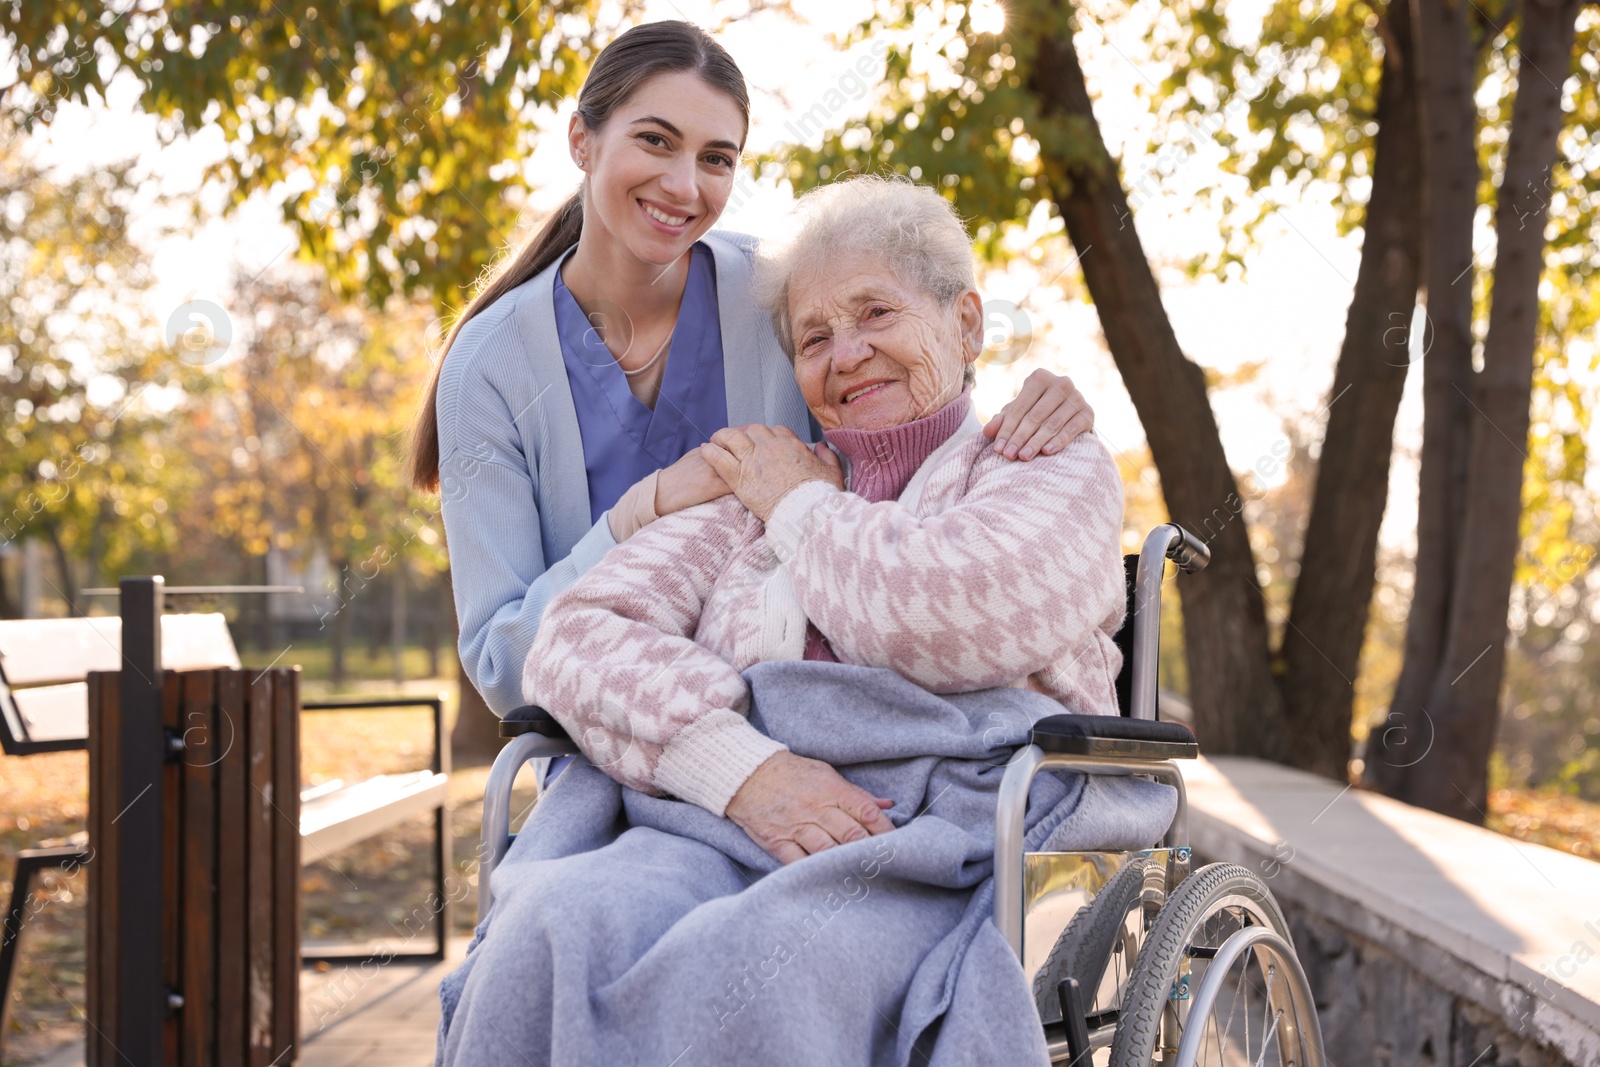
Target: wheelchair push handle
(1167, 541)
(1187, 550)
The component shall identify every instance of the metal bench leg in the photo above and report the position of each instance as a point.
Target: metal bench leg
(30, 861)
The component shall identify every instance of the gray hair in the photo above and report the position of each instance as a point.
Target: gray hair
(910, 228)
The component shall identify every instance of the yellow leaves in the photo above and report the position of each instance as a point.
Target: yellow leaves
(1244, 374)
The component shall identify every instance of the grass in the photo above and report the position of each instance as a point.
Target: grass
(362, 672)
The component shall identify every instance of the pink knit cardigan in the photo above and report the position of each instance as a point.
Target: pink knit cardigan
(985, 572)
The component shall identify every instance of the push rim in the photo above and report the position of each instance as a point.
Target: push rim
(1187, 951)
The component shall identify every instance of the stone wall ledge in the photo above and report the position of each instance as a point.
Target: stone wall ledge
(1509, 926)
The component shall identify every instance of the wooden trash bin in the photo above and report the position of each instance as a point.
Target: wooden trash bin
(225, 947)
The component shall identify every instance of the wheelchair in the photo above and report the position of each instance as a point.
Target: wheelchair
(1135, 959)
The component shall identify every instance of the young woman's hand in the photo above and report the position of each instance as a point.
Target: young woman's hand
(1042, 419)
(762, 463)
(688, 482)
(794, 807)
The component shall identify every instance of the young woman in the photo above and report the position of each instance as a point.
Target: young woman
(577, 385)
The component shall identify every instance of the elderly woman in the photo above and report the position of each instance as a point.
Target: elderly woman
(762, 668)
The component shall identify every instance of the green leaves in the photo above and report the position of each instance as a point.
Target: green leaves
(77, 359)
(953, 110)
(380, 125)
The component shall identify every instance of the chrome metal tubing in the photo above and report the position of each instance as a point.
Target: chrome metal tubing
(1011, 809)
(1167, 541)
(1303, 1034)
(1147, 617)
(1098, 1039)
(535, 748)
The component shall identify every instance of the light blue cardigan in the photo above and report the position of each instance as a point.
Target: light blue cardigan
(514, 490)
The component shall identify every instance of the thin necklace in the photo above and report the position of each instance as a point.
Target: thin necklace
(652, 359)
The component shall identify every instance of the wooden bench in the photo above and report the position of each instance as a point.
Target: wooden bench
(44, 698)
(44, 704)
(43, 664)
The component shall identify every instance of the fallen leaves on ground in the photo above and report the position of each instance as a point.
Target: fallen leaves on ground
(1562, 822)
(377, 891)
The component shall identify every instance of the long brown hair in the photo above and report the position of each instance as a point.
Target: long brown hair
(621, 67)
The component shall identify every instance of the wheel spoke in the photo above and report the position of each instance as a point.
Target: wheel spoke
(1275, 1020)
(1238, 998)
(1272, 970)
(1222, 1039)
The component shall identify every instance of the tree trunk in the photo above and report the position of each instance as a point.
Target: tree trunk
(68, 589)
(341, 627)
(258, 609)
(1464, 695)
(397, 622)
(1321, 647)
(370, 622)
(97, 542)
(8, 607)
(475, 738)
(1446, 80)
(438, 604)
(1237, 707)
(271, 631)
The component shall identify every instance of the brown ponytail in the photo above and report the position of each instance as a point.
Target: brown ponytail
(557, 235)
(622, 66)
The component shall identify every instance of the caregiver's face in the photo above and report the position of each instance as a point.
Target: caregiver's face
(872, 352)
(661, 167)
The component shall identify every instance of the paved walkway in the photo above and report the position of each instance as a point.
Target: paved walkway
(382, 1016)
(377, 1016)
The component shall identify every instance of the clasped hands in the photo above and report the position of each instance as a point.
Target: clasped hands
(791, 806)
(761, 464)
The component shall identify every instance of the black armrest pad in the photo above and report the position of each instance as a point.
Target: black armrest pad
(1114, 726)
(530, 719)
(1115, 736)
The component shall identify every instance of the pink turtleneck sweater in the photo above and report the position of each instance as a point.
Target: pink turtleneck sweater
(881, 462)
(977, 572)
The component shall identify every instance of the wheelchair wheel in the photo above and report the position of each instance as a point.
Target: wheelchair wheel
(1096, 939)
(1218, 982)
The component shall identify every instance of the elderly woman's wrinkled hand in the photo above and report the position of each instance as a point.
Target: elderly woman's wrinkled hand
(763, 463)
(794, 807)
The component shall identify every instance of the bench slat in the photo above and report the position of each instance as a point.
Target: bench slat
(50, 651)
(336, 820)
(54, 712)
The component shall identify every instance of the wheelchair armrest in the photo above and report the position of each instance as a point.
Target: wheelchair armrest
(1115, 737)
(530, 719)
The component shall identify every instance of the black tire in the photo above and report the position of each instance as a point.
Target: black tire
(1203, 895)
(1084, 948)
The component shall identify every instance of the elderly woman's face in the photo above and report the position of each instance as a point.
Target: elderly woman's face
(872, 351)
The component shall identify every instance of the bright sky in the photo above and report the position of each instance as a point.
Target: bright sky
(1288, 311)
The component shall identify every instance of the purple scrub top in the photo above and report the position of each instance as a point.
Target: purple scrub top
(622, 439)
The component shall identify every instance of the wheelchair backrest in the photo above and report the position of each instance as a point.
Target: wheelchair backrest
(1124, 639)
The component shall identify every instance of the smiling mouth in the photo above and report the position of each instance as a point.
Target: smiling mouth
(664, 218)
(856, 394)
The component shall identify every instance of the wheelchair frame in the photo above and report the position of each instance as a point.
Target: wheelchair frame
(1135, 743)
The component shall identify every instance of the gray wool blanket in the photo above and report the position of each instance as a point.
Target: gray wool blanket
(631, 929)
